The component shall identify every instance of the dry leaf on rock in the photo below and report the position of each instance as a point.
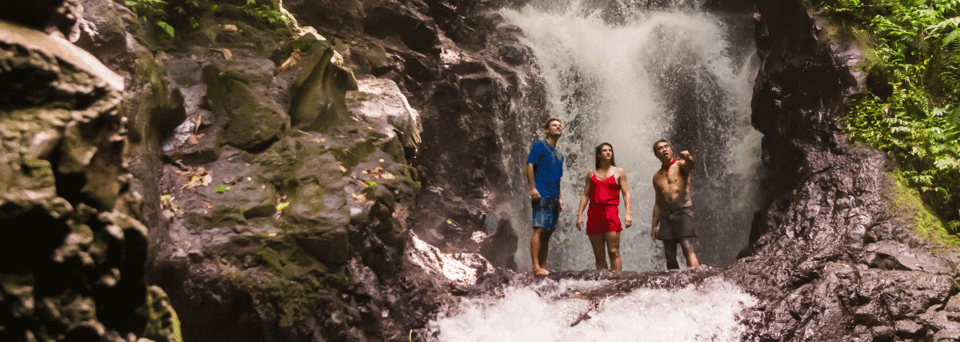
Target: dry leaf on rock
(198, 177)
(360, 198)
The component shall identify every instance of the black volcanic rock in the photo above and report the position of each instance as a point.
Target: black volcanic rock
(73, 251)
(829, 259)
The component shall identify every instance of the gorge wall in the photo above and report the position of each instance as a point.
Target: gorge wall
(73, 251)
(831, 258)
(269, 179)
(275, 162)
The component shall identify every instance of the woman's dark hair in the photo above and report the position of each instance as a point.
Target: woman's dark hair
(613, 158)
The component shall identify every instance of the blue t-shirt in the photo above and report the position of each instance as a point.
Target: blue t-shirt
(547, 168)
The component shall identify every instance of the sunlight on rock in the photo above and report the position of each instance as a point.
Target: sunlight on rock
(459, 268)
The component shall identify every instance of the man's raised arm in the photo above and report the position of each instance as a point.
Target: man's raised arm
(687, 161)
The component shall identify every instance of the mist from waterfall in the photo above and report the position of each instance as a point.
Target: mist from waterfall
(631, 78)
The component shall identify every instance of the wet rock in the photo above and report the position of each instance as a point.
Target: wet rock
(73, 254)
(239, 92)
(384, 18)
(380, 101)
(329, 16)
(829, 259)
(103, 30)
(58, 17)
(457, 268)
(318, 98)
(897, 256)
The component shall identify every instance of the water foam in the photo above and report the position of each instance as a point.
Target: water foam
(555, 311)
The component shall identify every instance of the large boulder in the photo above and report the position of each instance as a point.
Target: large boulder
(73, 255)
(238, 91)
(380, 101)
(318, 99)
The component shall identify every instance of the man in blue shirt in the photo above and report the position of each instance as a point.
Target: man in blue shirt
(544, 170)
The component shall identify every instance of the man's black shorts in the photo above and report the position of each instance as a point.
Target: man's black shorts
(677, 224)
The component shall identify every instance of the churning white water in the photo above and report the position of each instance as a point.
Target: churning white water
(558, 311)
(645, 75)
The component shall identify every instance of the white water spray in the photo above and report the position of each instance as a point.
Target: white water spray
(557, 311)
(666, 73)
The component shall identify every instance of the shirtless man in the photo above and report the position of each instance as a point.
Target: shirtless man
(673, 209)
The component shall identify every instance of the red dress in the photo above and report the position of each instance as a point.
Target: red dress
(603, 215)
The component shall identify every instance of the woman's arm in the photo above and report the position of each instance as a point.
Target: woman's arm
(628, 203)
(583, 200)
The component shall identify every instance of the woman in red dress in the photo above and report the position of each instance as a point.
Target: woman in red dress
(603, 188)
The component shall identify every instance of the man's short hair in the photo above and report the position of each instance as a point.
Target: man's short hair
(546, 125)
(658, 143)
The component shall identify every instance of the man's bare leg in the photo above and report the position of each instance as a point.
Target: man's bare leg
(613, 249)
(599, 250)
(689, 252)
(544, 248)
(670, 253)
(538, 250)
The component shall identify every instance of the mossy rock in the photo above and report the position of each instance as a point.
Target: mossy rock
(163, 324)
(319, 92)
(240, 91)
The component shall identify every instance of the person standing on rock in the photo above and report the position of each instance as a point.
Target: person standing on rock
(673, 208)
(603, 188)
(544, 170)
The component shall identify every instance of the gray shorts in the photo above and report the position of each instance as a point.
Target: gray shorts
(677, 224)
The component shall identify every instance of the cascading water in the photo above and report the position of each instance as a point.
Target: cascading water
(630, 79)
(626, 73)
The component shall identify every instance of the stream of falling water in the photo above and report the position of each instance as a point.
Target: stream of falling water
(669, 72)
(630, 72)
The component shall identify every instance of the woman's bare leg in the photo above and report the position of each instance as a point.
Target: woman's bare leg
(599, 250)
(613, 250)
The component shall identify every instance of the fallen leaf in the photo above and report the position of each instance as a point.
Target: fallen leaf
(292, 60)
(360, 197)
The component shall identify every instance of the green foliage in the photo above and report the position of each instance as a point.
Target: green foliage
(268, 11)
(907, 202)
(156, 12)
(221, 188)
(153, 11)
(914, 116)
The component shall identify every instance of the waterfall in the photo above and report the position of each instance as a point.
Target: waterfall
(629, 73)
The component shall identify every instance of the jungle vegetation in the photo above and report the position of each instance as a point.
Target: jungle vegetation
(911, 109)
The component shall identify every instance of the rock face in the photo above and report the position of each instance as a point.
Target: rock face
(73, 253)
(280, 175)
(464, 76)
(278, 192)
(830, 260)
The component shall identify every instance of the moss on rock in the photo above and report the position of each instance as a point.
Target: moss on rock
(239, 92)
